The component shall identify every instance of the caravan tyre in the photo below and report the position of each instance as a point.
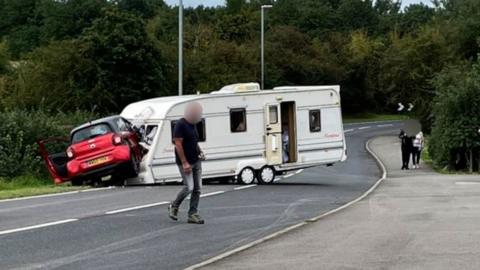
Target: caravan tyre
(266, 175)
(246, 176)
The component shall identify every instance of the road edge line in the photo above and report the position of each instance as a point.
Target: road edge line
(303, 223)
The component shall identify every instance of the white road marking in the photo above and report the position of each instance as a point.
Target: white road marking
(277, 179)
(135, 208)
(298, 225)
(299, 171)
(467, 183)
(244, 187)
(154, 204)
(364, 127)
(288, 175)
(38, 226)
(348, 130)
(212, 193)
(387, 125)
(55, 194)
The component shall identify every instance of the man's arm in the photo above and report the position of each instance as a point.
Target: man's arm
(181, 154)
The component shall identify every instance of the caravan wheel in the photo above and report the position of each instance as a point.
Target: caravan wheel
(266, 175)
(246, 176)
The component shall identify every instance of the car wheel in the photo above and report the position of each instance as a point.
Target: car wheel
(246, 176)
(77, 182)
(266, 175)
(133, 166)
(118, 180)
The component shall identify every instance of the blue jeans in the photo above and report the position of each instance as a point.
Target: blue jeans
(192, 185)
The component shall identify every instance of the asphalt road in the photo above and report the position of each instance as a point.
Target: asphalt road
(90, 234)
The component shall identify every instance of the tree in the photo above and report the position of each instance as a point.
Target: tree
(67, 19)
(144, 8)
(455, 141)
(414, 17)
(3, 59)
(126, 65)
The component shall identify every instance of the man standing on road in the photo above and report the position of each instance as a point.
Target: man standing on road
(188, 157)
(406, 149)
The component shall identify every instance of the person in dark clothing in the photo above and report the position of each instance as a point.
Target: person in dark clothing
(188, 156)
(407, 145)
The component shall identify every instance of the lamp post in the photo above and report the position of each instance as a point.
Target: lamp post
(262, 43)
(180, 47)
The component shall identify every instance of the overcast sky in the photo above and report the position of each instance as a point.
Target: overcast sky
(221, 2)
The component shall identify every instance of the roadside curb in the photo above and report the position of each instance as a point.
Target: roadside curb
(303, 223)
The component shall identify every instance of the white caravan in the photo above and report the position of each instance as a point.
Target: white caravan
(246, 132)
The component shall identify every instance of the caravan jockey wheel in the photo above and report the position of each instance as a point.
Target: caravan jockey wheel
(266, 175)
(246, 176)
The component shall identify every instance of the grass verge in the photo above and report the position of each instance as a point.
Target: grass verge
(371, 117)
(24, 186)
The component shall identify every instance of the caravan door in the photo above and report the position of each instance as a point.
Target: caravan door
(273, 134)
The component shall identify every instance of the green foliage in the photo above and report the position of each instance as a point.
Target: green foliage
(67, 19)
(455, 140)
(111, 65)
(124, 65)
(19, 131)
(3, 59)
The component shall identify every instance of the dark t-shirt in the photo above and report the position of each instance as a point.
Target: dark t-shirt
(187, 132)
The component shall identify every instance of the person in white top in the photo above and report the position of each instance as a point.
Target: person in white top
(418, 144)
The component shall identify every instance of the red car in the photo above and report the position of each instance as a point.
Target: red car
(106, 149)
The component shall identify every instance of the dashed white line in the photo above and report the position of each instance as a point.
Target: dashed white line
(38, 226)
(386, 125)
(467, 183)
(299, 171)
(244, 187)
(135, 208)
(288, 175)
(364, 127)
(212, 193)
(348, 130)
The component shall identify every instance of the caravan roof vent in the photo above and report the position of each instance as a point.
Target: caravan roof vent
(239, 88)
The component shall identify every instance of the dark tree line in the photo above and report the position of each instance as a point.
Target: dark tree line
(100, 55)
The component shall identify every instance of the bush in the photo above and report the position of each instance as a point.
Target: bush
(455, 141)
(19, 131)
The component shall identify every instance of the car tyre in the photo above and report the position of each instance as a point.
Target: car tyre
(266, 175)
(247, 176)
(77, 182)
(133, 166)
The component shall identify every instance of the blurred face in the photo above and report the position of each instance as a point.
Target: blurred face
(194, 112)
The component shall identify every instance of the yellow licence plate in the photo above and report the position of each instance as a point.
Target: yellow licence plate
(97, 161)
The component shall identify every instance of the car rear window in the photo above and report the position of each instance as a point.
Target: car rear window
(90, 132)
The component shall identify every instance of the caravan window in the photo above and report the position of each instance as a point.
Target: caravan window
(273, 114)
(201, 130)
(315, 121)
(238, 120)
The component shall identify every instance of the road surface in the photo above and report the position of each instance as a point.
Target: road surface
(128, 228)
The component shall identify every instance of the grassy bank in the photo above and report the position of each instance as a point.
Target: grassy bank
(370, 117)
(29, 186)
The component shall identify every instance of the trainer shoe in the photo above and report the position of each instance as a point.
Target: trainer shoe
(195, 219)
(173, 212)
